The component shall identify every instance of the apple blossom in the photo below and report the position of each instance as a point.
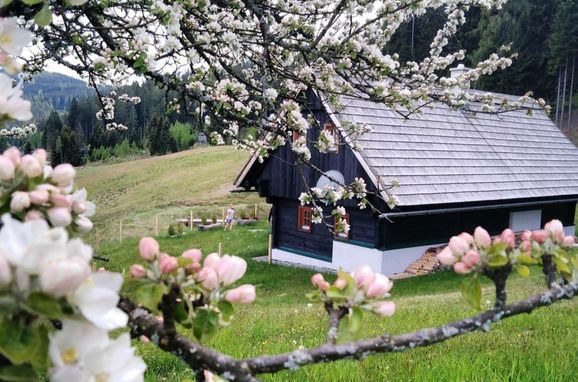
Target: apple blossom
(137, 271)
(526, 235)
(458, 245)
(467, 237)
(40, 155)
(13, 38)
(363, 276)
(461, 268)
(446, 256)
(83, 224)
(508, 237)
(167, 263)
(59, 216)
(6, 168)
(540, 236)
(63, 175)
(33, 215)
(193, 254)
(340, 283)
(230, 269)
(31, 166)
(20, 201)
(482, 237)
(74, 341)
(39, 196)
(569, 241)
(60, 276)
(5, 271)
(60, 200)
(384, 308)
(244, 294)
(379, 287)
(13, 154)
(471, 258)
(148, 248)
(208, 278)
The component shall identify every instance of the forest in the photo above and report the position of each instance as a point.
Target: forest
(542, 33)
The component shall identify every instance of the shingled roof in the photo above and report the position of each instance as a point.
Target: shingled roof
(448, 156)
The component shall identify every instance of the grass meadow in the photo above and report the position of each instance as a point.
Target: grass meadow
(541, 346)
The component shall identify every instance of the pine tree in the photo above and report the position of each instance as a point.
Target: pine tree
(159, 135)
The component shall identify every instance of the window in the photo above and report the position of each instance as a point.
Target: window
(523, 220)
(341, 235)
(304, 219)
(329, 127)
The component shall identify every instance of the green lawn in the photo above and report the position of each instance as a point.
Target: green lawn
(541, 346)
(168, 186)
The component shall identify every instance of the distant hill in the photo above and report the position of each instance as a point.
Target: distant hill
(53, 91)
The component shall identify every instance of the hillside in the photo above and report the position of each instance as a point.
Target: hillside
(168, 186)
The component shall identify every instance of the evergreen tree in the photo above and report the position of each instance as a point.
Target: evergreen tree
(50, 134)
(159, 135)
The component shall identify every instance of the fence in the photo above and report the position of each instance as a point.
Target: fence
(180, 219)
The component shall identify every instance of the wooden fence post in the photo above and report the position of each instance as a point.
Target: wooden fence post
(120, 230)
(191, 223)
(256, 211)
(220, 249)
(157, 225)
(270, 252)
(223, 216)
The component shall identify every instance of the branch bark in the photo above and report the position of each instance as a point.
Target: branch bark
(199, 357)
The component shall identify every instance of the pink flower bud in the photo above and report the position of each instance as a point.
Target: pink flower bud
(458, 245)
(40, 155)
(540, 236)
(5, 271)
(482, 238)
(31, 166)
(148, 248)
(554, 226)
(446, 256)
(245, 294)
(527, 235)
(144, 339)
(379, 287)
(13, 154)
(193, 268)
(208, 278)
(63, 175)
(137, 271)
(83, 224)
(59, 216)
(363, 276)
(340, 284)
(78, 207)
(60, 200)
(61, 276)
(508, 237)
(471, 258)
(317, 279)
(230, 269)
(461, 268)
(467, 237)
(20, 201)
(569, 241)
(384, 308)
(6, 168)
(168, 264)
(193, 254)
(39, 196)
(526, 247)
(212, 260)
(33, 215)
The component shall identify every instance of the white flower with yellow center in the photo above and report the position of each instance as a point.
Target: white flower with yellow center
(13, 38)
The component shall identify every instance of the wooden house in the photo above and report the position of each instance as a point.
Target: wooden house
(457, 169)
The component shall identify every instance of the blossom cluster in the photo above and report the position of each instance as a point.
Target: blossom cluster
(41, 266)
(33, 190)
(477, 253)
(362, 288)
(19, 132)
(202, 282)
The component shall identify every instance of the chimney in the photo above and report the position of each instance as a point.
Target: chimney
(460, 69)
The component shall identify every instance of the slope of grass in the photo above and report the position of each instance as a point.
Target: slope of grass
(540, 346)
(136, 191)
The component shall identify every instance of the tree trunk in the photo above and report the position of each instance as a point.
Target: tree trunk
(558, 96)
(571, 89)
(564, 95)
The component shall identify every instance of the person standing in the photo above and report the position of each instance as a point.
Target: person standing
(230, 218)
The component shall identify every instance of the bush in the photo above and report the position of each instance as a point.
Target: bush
(183, 136)
(180, 228)
(172, 230)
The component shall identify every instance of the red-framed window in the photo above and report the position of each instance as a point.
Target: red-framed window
(304, 223)
(331, 128)
(341, 235)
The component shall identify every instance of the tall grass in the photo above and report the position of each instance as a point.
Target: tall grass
(541, 346)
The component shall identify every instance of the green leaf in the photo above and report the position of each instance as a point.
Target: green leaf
(497, 260)
(525, 259)
(150, 295)
(355, 320)
(206, 324)
(334, 292)
(472, 291)
(31, 2)
(522, 270)
(23, 373)
(44, 305)
(17, 342)
(350, 326)
(44, 16)
(226, 309)
(561, 266)
(496, 249)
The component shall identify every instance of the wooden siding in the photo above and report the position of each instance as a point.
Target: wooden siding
(432, 229)
(318, 242)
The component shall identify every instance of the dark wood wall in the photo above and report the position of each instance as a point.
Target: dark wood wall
(438, 228)
(319, 242)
